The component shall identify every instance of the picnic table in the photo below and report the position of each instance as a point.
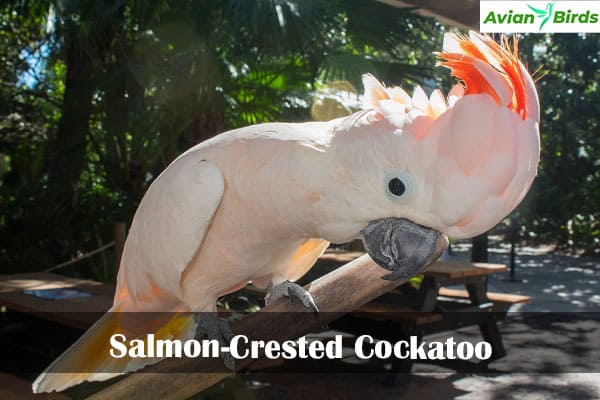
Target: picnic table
(435, 308)
(79, 312)
(474, 276)
(432, 308)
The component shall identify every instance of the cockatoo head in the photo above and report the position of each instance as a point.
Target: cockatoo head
(455, 166)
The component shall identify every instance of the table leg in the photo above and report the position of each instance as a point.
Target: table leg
(489, 328)
(477, 291)
(428, 294)
(401, 368)
(426, 300)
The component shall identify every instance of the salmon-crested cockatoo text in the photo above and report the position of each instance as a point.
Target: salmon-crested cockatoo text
(260, 204)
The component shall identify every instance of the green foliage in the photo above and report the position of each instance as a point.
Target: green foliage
(564, 204)
(121, 88)
(98, 96)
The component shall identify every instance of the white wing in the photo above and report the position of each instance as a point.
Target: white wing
(169, 226)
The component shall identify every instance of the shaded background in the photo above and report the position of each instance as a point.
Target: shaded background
(97, 97)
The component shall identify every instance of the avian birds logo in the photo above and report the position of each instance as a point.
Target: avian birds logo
(544, 14)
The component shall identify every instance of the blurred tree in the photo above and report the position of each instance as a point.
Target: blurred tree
(99, 96)
(30, 103)
(564, 204)
(125, 86)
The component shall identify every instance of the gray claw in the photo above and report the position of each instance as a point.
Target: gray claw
(210, 325)
(295, 293)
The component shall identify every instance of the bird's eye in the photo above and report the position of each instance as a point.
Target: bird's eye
(399, 185)
(396, 186)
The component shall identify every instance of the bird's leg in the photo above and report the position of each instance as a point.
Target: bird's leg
(214, 328)
(295, 292)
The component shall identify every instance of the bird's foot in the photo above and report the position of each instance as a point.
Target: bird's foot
(295, 292)
(214, 328)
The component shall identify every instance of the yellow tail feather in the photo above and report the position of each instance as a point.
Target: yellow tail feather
(89, 358)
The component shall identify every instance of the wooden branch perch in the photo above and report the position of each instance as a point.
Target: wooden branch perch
(337, 293)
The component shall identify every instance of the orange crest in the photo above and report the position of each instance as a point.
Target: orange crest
(485, 66)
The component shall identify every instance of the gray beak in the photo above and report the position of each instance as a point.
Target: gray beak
(401, 246)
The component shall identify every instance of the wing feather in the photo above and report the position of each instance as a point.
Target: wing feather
(169, 227)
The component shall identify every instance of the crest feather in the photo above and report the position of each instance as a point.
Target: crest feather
(471, 58)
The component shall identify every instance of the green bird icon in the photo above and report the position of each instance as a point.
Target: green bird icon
(545, 14)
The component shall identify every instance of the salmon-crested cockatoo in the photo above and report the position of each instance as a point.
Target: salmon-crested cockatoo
(260, 204)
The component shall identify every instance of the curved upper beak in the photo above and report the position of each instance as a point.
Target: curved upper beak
(402, 246)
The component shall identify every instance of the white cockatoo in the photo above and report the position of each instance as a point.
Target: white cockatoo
(260, 204)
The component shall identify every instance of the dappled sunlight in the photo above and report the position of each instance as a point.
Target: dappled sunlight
(531, 386)
(554, 281)
(37, 284)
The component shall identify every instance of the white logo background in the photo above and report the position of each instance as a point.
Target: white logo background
(539, 16)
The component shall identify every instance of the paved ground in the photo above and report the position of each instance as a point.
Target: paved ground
(555, 282)
(568, 342)
(421, 386)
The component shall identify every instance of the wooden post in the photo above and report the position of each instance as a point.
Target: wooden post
(120, 234)
(514, 237)
(336, 293)
(479, 251)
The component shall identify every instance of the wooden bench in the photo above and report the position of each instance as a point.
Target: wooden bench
(394, 312)
(501, 301)
(376, 310)
(14, 388)
(431, 321)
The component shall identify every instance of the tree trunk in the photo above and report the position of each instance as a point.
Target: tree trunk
(68, 149)
(120, 235)
(206, 125)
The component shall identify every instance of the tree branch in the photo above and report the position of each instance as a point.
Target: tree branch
(337, 293)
